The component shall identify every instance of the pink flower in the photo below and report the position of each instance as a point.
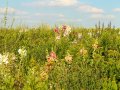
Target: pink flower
(64, 27)
(53, 55)
(56, 30)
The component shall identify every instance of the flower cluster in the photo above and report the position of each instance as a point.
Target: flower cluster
(95, 45)
(83, 51)
(4, 58)
(63, 30)
(79, 35)
(66, 30)
(51, 57)
(68, 58)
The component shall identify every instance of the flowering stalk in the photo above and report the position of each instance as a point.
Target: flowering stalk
(63, 30)
(51, 58)
(68, 58)
(56, 30)
(95, 45)
(23, 53)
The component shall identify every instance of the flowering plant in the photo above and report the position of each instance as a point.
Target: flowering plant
(22, 51)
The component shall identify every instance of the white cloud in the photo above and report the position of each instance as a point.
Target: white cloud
(23, 17)
(116, 9)
(96, 16)
(63, 2)
(61, 15)
(52, 3)
(20, 12)
(11, 10)
(49, 15)
(90, 9)
(101, 16)
(69, 20)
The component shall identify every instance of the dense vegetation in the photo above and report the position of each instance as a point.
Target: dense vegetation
(47, 58)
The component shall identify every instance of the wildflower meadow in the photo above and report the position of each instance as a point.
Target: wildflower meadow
(62, 57)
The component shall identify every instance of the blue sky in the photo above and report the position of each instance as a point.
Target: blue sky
(74, 12)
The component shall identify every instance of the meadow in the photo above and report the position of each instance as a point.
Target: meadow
(60, 58)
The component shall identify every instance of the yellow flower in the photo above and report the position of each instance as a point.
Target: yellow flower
(68, 59)
(83, 51)
(95, 45)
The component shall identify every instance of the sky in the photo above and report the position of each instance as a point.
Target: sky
(73, 12)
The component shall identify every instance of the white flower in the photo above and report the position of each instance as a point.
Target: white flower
(67, 30)
(22, 52)
(4, 58)
(65, 34)
(57, 37)
(79, 35)
(90, 34)
(19, 51)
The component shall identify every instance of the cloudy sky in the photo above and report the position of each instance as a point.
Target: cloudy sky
(74, 12)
